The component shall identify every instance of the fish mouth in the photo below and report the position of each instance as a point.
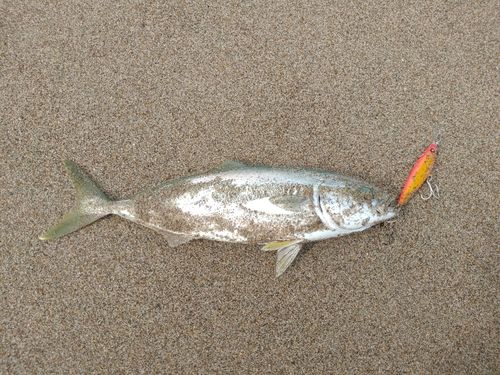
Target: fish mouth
(393, 203)
(386, 208)
(392, 208)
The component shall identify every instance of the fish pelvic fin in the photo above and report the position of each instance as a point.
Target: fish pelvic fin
(279, 244)
(287, 251)
(286, 256)
(91, 204)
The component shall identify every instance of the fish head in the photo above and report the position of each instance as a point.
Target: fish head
(355, 205)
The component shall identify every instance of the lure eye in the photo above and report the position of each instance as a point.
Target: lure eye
(433, 150)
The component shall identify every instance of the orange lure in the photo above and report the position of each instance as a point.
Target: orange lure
(420, 172)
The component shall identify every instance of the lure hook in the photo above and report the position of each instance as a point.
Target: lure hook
(434, 192)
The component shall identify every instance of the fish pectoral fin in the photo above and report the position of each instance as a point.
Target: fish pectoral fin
(279, 205)
(294, 203)
(175, 239)
(276, 245)
(286, 255)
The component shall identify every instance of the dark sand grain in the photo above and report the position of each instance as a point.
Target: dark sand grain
(139, 92)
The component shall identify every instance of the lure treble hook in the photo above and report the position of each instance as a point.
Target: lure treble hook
(434, 192)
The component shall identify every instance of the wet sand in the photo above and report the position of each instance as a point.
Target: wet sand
(139, 93)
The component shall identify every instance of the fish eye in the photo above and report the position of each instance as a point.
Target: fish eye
(367, 193)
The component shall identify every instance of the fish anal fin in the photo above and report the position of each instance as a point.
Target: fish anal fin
(276, 245)
(286, 255)
(294, 203)
(175, 239)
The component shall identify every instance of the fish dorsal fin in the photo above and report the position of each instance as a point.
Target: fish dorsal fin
(286, 255)
(228, 165)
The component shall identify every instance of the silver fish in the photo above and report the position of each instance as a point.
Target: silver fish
(281, 208)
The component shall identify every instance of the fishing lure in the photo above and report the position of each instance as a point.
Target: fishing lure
(419, 174)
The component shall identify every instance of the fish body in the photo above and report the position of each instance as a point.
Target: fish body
(419, 173)
(278, 207)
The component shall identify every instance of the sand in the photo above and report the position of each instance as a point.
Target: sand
(137, 93)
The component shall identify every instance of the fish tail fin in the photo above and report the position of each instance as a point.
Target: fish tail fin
(91, 204)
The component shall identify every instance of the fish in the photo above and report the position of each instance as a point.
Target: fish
(280, 208)
(419, 173)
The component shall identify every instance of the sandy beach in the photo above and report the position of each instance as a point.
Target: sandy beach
(140, 92)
